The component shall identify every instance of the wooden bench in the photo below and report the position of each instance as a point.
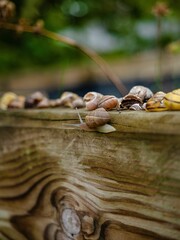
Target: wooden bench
(58, 182)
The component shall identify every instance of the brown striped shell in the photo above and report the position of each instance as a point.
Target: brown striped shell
(97, 118)
(108, 102)
(91, 100)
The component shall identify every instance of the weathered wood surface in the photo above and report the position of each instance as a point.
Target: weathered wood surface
(58, 182)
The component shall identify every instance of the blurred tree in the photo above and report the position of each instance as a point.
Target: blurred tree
(117, 16)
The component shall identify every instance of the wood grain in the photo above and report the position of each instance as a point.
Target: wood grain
(59, 182)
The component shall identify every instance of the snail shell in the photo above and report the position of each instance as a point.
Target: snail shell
(172, 100)
(129, 100)
(32, 100)
(68, 96)
(6, 99)
(70, 99)
(156, 103)
(95, 121)
(142, 92)
(108, 102)
(18, 102)
(44, 103)
(136, 107)
(91, 100)
(78, 103)
(96, 118)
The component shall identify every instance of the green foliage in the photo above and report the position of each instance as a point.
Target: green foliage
(119, 18)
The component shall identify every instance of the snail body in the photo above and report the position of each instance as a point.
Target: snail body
(172, 100)
(97, 120)
(106, 128)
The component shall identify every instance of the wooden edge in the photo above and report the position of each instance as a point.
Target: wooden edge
(167, 122)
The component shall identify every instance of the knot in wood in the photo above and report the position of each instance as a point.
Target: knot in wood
(88, 225)
(70, 221)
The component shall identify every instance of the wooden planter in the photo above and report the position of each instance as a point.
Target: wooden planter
(58, 182)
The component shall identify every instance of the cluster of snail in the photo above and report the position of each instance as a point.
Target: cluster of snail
(11, 100)
(161, 101)
(138, 98)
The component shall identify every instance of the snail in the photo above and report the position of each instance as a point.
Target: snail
(33, 100)
(72, 100)
(18, 102)
(129, 100)
(55, 102)
(156, 103)
(91, 100)
(6, 99)
(44, 103)
(108, 102)
(137, 95)
(96, 120)
(142, 92)
(78, 103)
(172, 100)
(136, 107)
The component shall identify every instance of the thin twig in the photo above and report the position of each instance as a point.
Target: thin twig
(89, 52)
